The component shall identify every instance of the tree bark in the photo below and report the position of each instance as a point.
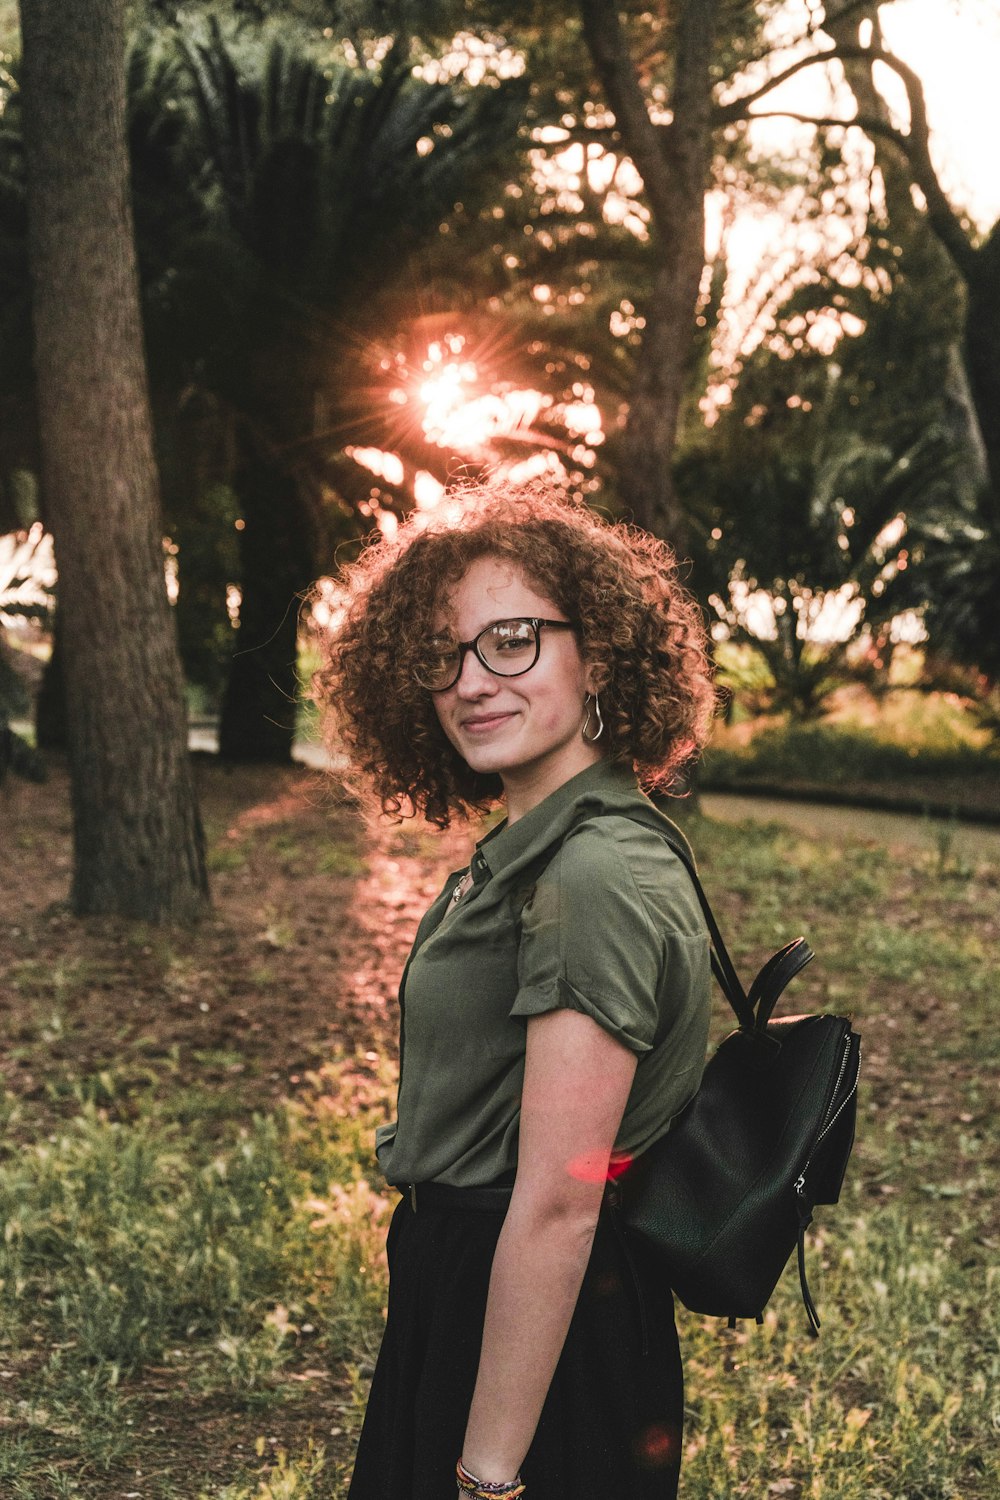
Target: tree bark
(842, 22)
(674, 161)
(51, 728)
(982, 353)
(277, 565)
(138, 841)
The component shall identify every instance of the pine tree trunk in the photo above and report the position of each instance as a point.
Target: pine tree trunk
(51, 728)
(657, 394)
(966, 414)
(674, 163)
(276, 567)
(138, 842)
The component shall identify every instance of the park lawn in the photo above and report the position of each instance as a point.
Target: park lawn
(191, 1266)
(834, 762)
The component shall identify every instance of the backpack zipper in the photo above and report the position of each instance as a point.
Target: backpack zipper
(805, 1216)
(831, 1120)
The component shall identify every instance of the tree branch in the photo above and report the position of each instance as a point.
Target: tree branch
(828, 122)
(812, 30)
(738, 109)
(606, 40)
(914, 143)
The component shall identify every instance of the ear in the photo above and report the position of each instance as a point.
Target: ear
(594, 680)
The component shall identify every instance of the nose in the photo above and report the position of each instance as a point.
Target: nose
(474, 680)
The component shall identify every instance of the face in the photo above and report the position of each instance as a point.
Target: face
(527, 729)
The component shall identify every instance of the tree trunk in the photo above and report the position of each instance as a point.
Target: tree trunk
(674, 161)
(965, 411)
(139, 847)
(982, 352)
(276, 566)
(51, 728)
(657, 395)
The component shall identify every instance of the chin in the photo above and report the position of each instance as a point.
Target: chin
(485, 764)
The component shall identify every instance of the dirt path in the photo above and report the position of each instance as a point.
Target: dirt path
(298, 960)
(964, 841)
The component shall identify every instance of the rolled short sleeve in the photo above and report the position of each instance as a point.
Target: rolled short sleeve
(588, 942)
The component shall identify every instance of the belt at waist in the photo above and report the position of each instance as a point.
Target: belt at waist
(494, 1200)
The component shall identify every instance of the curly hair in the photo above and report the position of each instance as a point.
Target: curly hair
(641, 630)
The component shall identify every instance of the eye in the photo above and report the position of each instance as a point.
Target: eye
(438, 649)
(511, 637)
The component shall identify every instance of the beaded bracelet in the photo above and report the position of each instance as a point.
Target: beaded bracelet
(482, 1489)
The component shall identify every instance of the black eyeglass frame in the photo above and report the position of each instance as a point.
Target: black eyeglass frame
(473, 646)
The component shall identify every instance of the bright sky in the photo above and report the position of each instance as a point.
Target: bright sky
(954, 46)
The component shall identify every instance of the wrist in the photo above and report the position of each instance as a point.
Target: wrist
(483, 1487)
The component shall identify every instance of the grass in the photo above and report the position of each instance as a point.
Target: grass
(191, 1291)
(131, 1248)
(849, 759)
(900, 1393)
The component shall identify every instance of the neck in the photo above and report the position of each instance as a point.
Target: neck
(529, 785)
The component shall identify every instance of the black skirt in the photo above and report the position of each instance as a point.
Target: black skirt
(611, 1423)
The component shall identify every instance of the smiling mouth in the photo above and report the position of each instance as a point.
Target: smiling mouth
(484, 722)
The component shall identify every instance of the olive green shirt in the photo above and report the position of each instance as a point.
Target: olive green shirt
(579, 904)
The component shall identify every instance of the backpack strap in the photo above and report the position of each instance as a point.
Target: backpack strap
(722, 965)
(753, 1010)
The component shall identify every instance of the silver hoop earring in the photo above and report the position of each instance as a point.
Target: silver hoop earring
(595, 700)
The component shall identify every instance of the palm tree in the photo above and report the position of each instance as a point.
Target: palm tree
(814, 527)
(303, 193)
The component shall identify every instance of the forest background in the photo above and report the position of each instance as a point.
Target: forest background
(371, 246)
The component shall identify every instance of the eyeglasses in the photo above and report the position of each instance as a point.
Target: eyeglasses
(507, 648)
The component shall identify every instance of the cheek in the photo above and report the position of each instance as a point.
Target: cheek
(441, 710)
(556, 714)
(562, 705)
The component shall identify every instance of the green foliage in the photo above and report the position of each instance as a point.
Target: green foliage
(238, 1263)
(895, 388)
(306, 197)
(121, 1240)
(120, 1243)
(287, 1479)
(823, 755)
(804, 512)
(955, 544)
(285, 200)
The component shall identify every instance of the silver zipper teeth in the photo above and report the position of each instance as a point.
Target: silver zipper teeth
(847, 1097)
(800, 1181)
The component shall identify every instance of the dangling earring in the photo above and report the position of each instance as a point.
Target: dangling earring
(595, 700)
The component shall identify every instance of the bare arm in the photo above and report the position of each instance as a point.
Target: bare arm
(576, 1084)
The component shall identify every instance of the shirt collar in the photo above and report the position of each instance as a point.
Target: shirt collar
(603, 787)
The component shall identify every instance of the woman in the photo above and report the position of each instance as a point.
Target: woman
(554, 1008)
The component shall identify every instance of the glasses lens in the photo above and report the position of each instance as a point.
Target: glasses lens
(437, 665)
(509, 647)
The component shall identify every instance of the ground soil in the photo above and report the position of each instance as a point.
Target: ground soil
(296, 964)
(310, 922)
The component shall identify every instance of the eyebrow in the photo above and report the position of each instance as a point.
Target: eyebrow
(501, 620)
